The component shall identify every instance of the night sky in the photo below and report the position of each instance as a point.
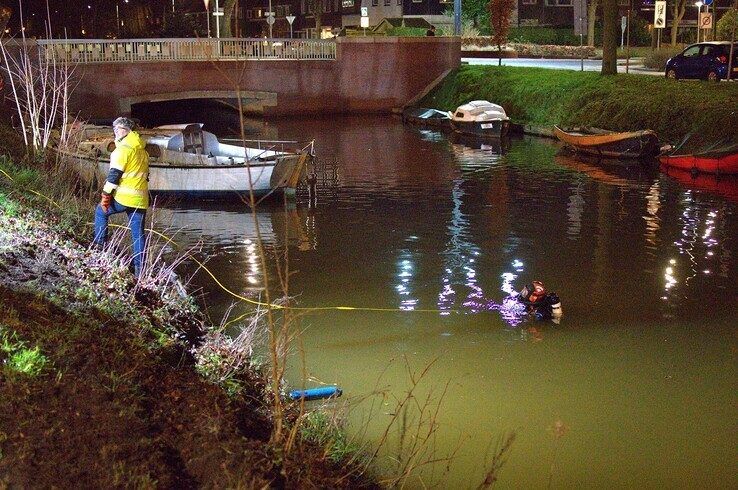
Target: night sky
(96, 17)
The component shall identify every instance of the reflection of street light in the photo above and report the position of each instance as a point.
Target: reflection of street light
(699, 5)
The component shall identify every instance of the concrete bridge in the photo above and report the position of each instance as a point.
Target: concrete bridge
(272, 77)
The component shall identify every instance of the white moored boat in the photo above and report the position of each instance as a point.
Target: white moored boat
(186, 160)
(480, 118)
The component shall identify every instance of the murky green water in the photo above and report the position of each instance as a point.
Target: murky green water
(636, 387)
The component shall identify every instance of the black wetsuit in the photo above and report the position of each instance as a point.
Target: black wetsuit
(543, 307)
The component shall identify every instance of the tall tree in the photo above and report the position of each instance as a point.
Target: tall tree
(500, 12)
(477, 11)
(591, 18)
(610, 35)
(678, 7)
(229, 29)
(315, 7)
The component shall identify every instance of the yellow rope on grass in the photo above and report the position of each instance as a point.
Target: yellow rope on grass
(31, 190)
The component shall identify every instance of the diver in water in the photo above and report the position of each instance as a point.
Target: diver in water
(545, 305)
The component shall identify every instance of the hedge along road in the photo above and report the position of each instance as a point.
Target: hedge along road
(561, 64)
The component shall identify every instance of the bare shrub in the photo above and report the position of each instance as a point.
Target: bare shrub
(41, 83)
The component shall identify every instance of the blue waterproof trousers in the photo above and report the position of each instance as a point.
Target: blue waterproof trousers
(136, 218)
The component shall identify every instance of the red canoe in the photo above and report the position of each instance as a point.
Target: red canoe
(717, 163)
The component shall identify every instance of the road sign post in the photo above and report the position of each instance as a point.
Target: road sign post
(290, 20)
(270, 13)
(270, 22)
(217, 13)
(659, 20)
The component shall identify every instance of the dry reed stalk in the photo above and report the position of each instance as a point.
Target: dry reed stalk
(504, 444)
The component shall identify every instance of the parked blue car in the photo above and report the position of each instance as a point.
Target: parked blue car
(706, 61)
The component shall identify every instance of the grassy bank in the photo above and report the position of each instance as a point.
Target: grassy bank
(109, 382)
(542, 97)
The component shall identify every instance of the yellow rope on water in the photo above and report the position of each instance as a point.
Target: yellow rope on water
(249, 300)
(277, 306)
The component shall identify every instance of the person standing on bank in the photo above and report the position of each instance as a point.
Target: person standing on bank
(126, 189)
(431, 31)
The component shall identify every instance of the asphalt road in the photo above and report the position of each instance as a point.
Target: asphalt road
(561, 64)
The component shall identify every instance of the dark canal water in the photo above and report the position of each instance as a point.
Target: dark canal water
(635, 387)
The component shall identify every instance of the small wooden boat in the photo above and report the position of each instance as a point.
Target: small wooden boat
(482, 119)
(716, 162)
(609, 144)
(427, 118)
(185, 160)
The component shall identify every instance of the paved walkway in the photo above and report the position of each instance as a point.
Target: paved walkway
(636, 64)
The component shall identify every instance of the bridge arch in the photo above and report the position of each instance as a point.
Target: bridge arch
(252, 102)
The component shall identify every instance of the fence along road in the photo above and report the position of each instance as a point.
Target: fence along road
(84, 51)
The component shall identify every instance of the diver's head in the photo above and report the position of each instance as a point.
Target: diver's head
(537, 291)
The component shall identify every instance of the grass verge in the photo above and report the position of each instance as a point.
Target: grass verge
(541, 97)
(105, 382)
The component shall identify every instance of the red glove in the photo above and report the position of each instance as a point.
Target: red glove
(105, 199)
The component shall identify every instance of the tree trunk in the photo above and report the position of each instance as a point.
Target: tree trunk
(229, 11)
(677, 13)
(610, 35)
(591, 18)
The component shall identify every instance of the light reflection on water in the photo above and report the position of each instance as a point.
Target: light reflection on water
(642, 366)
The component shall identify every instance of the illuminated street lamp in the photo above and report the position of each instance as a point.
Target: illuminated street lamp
(117, 18)
(207, 16)
(699, 5)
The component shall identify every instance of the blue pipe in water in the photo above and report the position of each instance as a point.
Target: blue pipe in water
(316, 393)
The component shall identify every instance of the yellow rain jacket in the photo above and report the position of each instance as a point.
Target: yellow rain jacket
(130, 157)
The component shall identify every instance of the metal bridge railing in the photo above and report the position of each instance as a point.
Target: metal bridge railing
(148, 50)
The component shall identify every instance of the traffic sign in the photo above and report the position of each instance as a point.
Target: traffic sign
(659, 14)
(290, 19)
(705, 20)
(270, 20)
(707, 2)
(365, 11)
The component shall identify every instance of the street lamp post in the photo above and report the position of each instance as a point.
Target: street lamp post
(117, 17)
(217, 15)
(699, 5)
(207, 14)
